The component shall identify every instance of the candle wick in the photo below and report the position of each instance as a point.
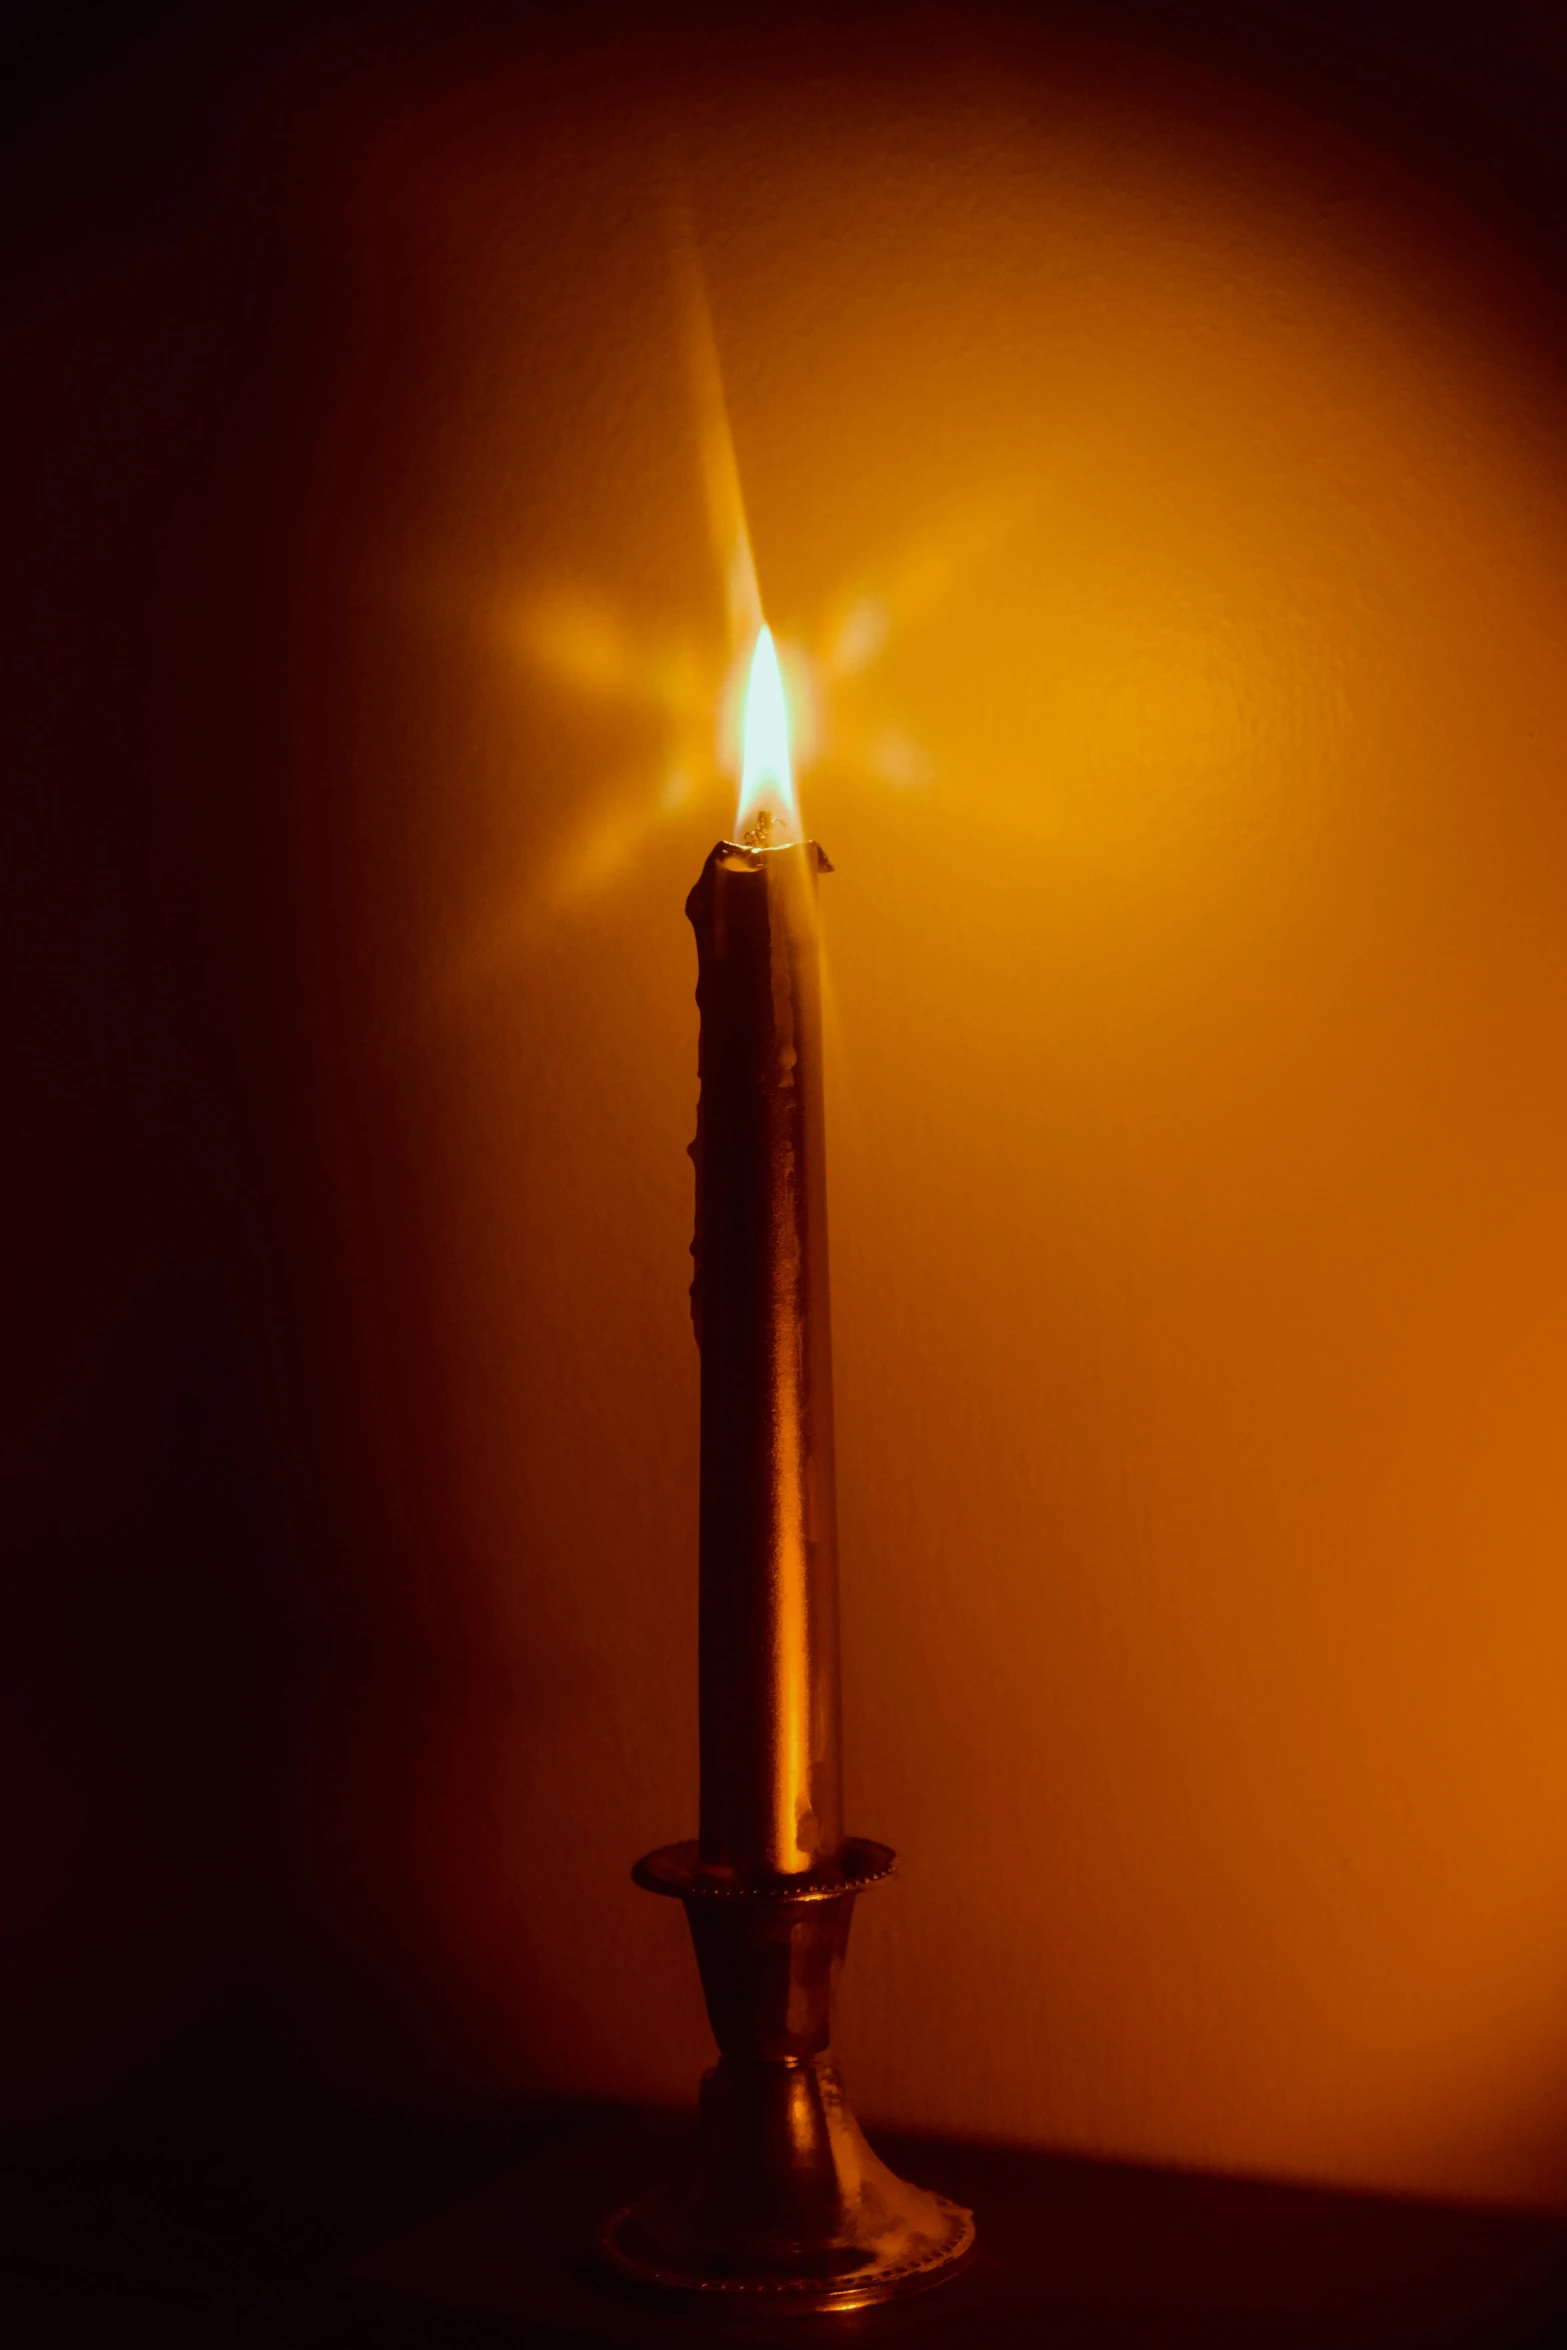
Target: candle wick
(760, 830)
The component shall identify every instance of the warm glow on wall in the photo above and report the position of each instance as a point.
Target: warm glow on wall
(1172, 518)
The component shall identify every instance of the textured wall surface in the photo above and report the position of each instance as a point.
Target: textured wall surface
(1165, 498)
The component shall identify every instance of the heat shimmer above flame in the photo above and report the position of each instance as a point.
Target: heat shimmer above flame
(768, 815)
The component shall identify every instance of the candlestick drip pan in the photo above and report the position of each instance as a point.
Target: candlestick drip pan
(786, 2205)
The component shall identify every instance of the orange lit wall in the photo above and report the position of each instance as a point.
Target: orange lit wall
(1166, 495)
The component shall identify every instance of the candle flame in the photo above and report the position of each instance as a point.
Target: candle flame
(768, 816)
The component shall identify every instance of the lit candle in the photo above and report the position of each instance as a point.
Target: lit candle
(772, 1799)
(786, 2205)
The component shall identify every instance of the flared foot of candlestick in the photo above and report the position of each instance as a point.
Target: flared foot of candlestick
(786, 2206)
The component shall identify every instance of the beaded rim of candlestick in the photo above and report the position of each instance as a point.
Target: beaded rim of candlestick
(804, 2292)
(680, 1871)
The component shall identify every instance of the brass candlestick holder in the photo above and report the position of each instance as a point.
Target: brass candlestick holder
(786, 2206)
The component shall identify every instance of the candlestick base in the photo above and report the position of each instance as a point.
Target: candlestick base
(786, 2206)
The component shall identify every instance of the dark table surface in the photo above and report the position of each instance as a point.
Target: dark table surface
(357, 2231)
